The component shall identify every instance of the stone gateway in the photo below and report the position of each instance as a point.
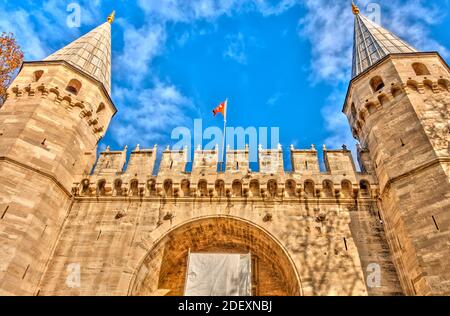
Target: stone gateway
(72, 223)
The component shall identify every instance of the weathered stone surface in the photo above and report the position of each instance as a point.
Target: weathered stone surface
(128, 231)
(404, 128)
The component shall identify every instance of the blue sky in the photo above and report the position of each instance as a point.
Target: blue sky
(281, 63)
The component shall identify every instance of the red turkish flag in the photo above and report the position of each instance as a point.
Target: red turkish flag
(222, 108)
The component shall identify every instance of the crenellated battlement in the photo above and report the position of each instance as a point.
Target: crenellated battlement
(340, 179)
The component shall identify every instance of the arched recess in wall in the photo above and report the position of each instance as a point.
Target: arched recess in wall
(162, 271)
(186, 187)
(74, 86)
(202, 188)
(420, 69)
(37, 75)
(255, 188)
(236, 187)
(444, 84)
(219, 186)
(376, 83)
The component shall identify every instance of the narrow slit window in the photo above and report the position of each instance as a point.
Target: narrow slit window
(4, 212)
(435, 223)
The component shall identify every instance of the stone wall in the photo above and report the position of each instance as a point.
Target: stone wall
(404, 128)
(48, 138)
(310, 232)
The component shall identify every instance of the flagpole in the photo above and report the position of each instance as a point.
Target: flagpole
(223, 135)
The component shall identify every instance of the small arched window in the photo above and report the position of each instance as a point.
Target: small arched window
(309, 188)
(74, 86)
(327, 187)
(220, 187)
(237, 188)
(85, 186)
(376, 83)
(118, 187)
(37, 75)
(254, 187)
(134, 188)
(420, 69)
(364, 186)
(346, 188)
(186, 187)
(353, 111)
(290, 187)
(444, 84)
(167, 186)
(371, 107)
(272, 187)
(203, 188)
(101, 107)
(101, 187)
(151, 187)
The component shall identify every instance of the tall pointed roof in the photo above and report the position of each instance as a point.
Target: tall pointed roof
(373, 42)
(90, 53)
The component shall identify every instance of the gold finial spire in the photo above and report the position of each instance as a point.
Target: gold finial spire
(355, 8)
(111, 17)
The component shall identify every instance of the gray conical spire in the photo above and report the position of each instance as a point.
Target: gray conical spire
(91, 53)
(372, 42)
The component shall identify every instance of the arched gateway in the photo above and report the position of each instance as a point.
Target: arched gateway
(163, 270)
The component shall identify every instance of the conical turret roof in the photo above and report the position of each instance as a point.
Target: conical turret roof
(373, 42)
(91, 53)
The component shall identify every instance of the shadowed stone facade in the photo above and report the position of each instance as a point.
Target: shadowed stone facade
(129, 226)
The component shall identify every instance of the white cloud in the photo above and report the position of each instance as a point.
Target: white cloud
(154, 113)
(267, 8)
(236, 48)
(273, 100)
(141, 46)
(187, 11)
(18, 22)
(328, 25)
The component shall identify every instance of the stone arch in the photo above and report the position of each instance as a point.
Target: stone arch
(290, 187)
(255, 188)
(272, 188)
(185, 187)
(85, 187)
(413, 85)
(353, 111)
(162, 270)
(346, 188)
(328, 188)
(428, 85)
(37, 75)
(101, 187)
(376, 83)
(444, 84)
(117, 187)
(309, 188)
(202, 188)
(220, 187)
(236, 187)
(134, 187)
(364, 187)
(151, 187)
(74, 86)
(383, 99)
(420, 69)
(101, 107)
(168, 188)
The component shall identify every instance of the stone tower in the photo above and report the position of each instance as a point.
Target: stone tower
(398, 105)
(56, 112)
